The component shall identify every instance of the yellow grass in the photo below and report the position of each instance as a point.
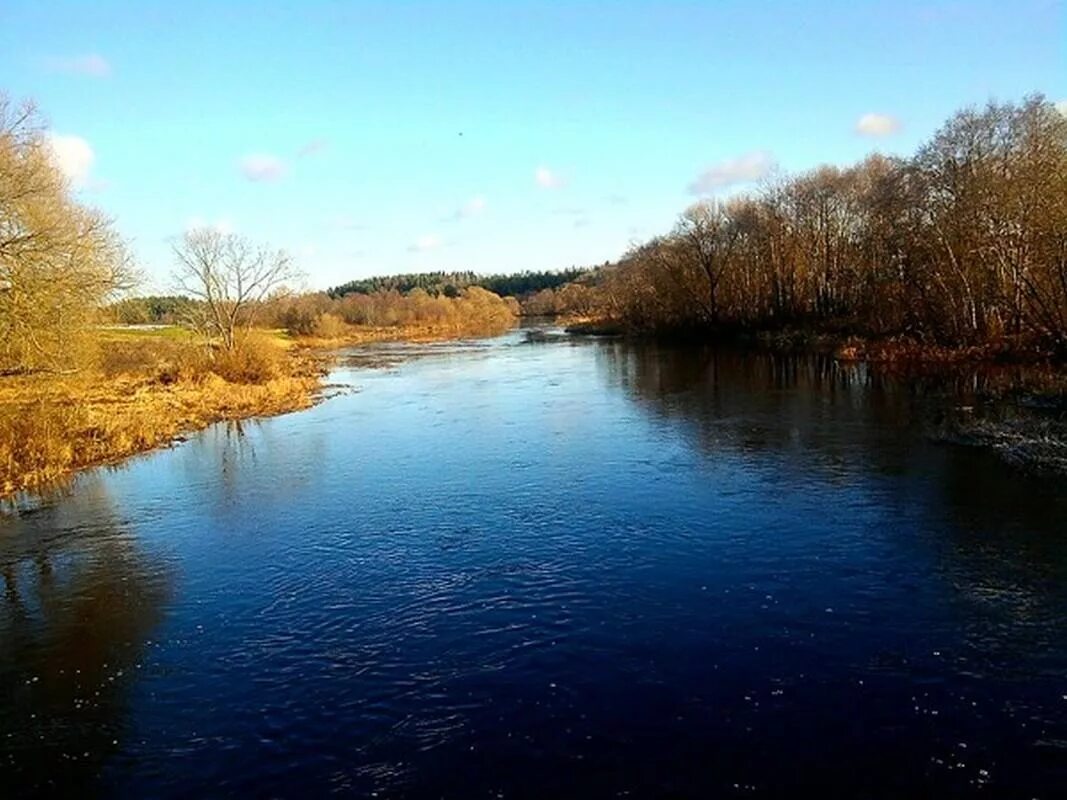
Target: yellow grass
(147, 391)
(355, 335)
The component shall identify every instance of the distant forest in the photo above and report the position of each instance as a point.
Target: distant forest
(450, 284)
(151, 310)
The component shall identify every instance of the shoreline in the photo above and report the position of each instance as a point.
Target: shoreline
(843, 347)
(52, 427)
(132, 417)
(1033, 438)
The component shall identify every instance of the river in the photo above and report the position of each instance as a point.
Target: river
(557, 568)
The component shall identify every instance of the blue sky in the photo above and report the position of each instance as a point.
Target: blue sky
(495, 136)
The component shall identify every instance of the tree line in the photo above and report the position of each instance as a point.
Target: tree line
(450, 284)
(150, 310)
(963, 243)
(472, 310)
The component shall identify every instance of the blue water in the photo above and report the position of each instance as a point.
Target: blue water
(556, 569)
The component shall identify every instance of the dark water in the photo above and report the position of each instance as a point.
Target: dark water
(588, 569)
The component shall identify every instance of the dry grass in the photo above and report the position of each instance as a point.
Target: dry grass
(354, 335)
(146, 393)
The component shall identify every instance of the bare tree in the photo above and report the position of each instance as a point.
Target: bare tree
(229, 277)
(964, 243)
(706, 235)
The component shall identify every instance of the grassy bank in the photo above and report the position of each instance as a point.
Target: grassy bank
(150, 386)
(148, 389)
(355, 335)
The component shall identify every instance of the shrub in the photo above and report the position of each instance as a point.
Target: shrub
(255, 358)
(329, 326)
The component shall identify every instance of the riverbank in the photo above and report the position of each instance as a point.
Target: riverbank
(841, 345)
(148, 390)
(152, 386)
(1019, 412)
(354, 336)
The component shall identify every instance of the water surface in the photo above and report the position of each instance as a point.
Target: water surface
(563, 568)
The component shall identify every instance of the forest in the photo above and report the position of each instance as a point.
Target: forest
(961, 245)
(449, 284)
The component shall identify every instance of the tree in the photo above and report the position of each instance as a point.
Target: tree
(706, 236)
(59, 261)
(229, 277)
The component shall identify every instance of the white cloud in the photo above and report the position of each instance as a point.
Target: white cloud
(92, 65)
(547, 179)
(877, 125)
(262, 167)
(744, 168)
(424, 243)
(73, 156)
(1061, 106)
(221, 225)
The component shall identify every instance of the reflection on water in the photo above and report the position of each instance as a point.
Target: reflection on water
(79, 606)
(543, 567)
(1005, 546)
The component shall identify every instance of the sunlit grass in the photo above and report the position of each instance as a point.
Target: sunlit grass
(147, 390)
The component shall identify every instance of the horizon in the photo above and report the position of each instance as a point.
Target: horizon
(372, 141)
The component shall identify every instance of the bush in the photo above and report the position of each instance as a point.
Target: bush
(329, 326)
(256, 358)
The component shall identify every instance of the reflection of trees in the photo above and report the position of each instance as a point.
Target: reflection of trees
(996, 537)
(244, 456)
(751, 399)
(80, 598)
(754, 401)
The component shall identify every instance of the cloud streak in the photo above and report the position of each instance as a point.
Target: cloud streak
(877, 125)
(92, 65)
(262, 167)
(425, 243)
(745, 168)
